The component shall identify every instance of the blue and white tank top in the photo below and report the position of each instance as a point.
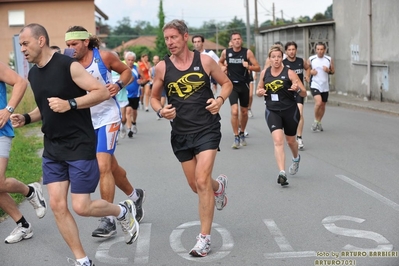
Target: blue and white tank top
(108, 111)
(7, 130)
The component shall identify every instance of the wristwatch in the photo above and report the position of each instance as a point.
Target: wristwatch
(10, 109)
(159, 113)
(73, 104)
(120, 84)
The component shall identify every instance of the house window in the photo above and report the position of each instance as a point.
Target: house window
(16, 18)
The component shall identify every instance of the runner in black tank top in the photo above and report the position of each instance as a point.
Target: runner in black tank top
(278, 85)
(194, 115)
(299, 66)
(236, 62)
(188, 91)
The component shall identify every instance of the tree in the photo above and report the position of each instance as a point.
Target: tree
(123, 32)
(303, 19)
(318, 16)
(329, 12)
(160, 48)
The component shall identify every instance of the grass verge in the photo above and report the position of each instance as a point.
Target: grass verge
(24, 163)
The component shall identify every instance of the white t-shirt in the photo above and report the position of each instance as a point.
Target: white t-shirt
(211, 54)
(320, 81)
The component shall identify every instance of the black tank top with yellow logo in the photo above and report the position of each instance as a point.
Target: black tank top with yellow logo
(188, 91)
(278, 96)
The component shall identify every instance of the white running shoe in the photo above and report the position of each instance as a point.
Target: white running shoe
(202, 248)
(295, 165)
(250, 114)
(300, 143)
(134, 129)
(236, 143)
(76, 263)
(128, 222)
(19, 233)
(122, 132)
(314, 126)
(243, 142)
(221, 198)
(37, 200)
(319, 127)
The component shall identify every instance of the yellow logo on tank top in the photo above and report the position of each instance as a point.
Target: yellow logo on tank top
(275, 86)
(186, 85)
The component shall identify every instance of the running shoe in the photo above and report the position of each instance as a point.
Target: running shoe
(250, 114)
(76, 263)
(300, 143)
(314, 126)
(128, 223)
(134, 129)
(236, 144)
(221, 198)
(139, 204)
(282, 178)
(130, 134)
(295, 165)
(242, 139)
(37, 200)
(123, 132)
(106, 229)
(319, 126)
(19, 233)
(202, 248)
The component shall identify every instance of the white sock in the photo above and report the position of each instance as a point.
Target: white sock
(207, 237)
(83, 260)
(111, 218)
(134, 196)
(122, 213)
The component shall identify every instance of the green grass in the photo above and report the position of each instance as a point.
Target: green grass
(24, 163)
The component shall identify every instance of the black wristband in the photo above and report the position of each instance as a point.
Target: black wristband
(120, 84)
(27, 118)
(221, 98)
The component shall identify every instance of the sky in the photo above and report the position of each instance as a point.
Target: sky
(195, 13)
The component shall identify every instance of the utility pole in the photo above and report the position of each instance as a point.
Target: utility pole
(274, 14)
(217, 40)
(248, 26)
(256, 17)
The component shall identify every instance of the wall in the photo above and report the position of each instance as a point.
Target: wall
(55, 16)
(352, 50)
(306, 35)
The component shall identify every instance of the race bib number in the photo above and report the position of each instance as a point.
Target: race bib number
(275, 97)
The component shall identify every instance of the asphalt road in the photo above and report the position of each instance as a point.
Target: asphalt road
(342, 207)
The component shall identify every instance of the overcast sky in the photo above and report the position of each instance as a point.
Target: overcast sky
(196, 12)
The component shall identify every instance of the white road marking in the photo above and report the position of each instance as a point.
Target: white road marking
(278, 236)
(143, 244)
(142, 248)
(329, 224)
(370, 192)
(102, 253)
(286, 249)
